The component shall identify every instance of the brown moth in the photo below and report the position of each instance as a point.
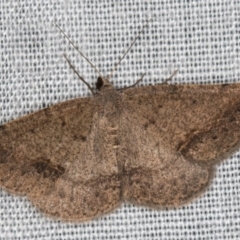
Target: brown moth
(152, 145)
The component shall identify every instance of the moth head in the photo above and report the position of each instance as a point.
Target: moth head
(103, 84)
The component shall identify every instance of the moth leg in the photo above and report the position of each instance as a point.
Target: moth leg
(76, 72)
(170, 78)
(133, 85)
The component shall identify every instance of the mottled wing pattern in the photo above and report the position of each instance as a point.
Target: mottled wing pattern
(173, 134)
(51, 157)
(77, 160)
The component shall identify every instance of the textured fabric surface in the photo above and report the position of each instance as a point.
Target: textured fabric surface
(199, 39)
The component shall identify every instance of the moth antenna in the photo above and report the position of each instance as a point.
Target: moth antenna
(118, 63)
(93, 66)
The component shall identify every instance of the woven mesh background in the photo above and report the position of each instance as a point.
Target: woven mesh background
(200, 38)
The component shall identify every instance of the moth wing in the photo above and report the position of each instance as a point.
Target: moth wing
(175, 133)
(49, 157)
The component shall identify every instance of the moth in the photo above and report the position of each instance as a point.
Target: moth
(152, 145)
